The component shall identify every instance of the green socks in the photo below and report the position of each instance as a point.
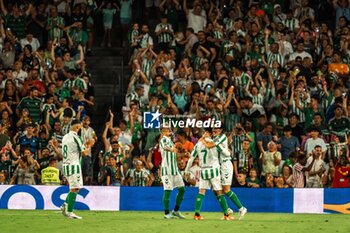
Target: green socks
(223, 203)
(179, 198)
(166, 200)
(199, 201)
(70, 200)
(234, 199)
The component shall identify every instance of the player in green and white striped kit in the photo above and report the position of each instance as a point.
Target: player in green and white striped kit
(170, 174)
(209, 175)
(226, 166)
(72, 150)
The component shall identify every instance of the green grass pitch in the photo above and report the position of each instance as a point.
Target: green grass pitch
(36, 221)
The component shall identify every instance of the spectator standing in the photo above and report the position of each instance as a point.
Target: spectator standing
(288, 143)
(108, 17)
(196, 16)
(313, 141)
(164, 32)
(32, 41)
(55, 25)
(87, 134)
(318, 169)
(15, 20)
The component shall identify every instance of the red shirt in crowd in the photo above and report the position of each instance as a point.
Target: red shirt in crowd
(341, 176)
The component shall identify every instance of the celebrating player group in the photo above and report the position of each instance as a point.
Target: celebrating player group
(216, 171)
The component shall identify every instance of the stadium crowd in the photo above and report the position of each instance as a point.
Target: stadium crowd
(44, 85)
(274, 72)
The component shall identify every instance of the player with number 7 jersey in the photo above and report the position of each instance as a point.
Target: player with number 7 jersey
(209, 175)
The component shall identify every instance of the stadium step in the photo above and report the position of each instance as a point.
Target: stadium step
(110, 78)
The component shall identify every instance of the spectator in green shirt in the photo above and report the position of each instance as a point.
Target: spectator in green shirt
(339, 123)
(55, 25)
(32, 103)
(159, 89)
(15, 20)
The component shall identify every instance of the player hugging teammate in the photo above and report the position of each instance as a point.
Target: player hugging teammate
(216, 171)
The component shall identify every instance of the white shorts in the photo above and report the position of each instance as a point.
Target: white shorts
(207, 184)
(170, 182)
(75, 181)
(149, 3)
(226, 173)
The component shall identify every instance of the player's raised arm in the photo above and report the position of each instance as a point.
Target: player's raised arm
(192, 157)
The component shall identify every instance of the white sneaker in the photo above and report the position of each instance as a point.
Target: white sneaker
(73, 215)
(178, 214)
(64, 209)
(168, 216)
(242, 211)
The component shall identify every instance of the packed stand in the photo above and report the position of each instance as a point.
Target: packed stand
(44, 86)
(274, 72)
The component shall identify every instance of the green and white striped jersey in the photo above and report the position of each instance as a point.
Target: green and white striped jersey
(300, 113)
(237, 142)
(271, 57)
(72, 147)
(66, 127)
(240, 83)
(164, 37)
(228, 22)
(222, 147)
(208, 160)
(169, 161)
(132, 97)
(258, 99)
(139, 178)
(291, 24)
(218, 34)
(146, 67)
